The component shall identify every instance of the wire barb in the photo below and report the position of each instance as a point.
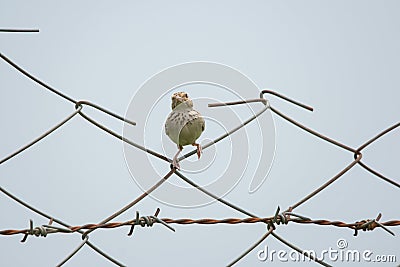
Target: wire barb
(148, 221)
(42, 230)
(369, 225)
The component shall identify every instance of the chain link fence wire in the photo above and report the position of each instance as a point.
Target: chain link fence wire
(279, 218)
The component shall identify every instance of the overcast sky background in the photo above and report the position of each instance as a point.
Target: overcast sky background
(341, 57)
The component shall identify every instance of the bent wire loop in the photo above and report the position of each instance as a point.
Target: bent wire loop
(282, 218)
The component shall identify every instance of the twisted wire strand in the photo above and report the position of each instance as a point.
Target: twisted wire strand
(162, 157)
(78, 107)
(270, 230)
(241, 210)
(45, 230)
(308, 130)
(43, 214)
(356, 152)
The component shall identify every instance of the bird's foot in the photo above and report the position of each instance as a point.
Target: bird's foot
(175, 163)
(199, 150)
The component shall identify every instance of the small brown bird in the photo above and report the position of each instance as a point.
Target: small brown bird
(184, 124)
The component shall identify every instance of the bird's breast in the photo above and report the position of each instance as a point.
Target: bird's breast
(184, 126)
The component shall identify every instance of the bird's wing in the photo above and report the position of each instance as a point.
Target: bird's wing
(166, 129)
(166, 126)
(203, 124)
(197, 116)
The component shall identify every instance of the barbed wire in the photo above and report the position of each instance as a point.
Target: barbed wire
(271, 222)
(149, 221)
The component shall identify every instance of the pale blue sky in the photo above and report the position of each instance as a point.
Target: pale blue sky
(341, 57)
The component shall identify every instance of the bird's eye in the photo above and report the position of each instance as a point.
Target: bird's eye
(186, 95)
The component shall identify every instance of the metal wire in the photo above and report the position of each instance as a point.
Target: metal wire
(44, 230)
(325, 185)
(357, 153)
(85, 240)
(213, 142)
(299, 250)
(364, 225)
(41, 136)
(379, 135)
(19, 30)
(130, 205)
(48, 87)
(124, 139)
(51, 218)
(85, 102)
(284, 218)
(231, 206)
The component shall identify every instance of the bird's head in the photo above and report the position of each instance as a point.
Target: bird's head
(181, 100)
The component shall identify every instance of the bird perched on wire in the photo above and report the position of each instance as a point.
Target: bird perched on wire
(184, 124)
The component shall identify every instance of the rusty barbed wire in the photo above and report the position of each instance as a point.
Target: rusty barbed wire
(356, 152)
(44, 230)
(47, 229)
(271, 222)
(51, 218)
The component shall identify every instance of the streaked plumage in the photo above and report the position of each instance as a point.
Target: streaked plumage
(184, 124)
